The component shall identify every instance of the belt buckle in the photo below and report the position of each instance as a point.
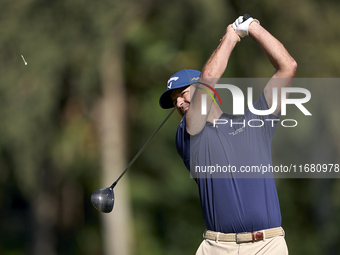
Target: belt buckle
(255, 236)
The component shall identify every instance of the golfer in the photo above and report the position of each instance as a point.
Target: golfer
(242, 215)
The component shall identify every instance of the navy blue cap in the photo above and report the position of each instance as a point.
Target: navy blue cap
(180, 79)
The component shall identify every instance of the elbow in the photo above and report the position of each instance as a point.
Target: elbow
(293, 67)
(290, 68)
(206, 74)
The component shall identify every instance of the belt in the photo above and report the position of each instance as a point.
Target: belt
(245, 237)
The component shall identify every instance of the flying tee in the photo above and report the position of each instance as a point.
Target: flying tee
(233, 201)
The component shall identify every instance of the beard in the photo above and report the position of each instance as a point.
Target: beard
(185, 108)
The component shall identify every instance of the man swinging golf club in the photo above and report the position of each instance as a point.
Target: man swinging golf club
(242, 215)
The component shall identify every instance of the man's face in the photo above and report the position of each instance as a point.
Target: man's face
(181, 99)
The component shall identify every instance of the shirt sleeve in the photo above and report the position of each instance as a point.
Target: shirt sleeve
(183, 142)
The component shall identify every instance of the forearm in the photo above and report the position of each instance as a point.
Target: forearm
(284, 64)
(211, 73)
(218, 61)
(216, 64)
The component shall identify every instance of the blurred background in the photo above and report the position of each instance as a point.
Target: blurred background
(76, 114)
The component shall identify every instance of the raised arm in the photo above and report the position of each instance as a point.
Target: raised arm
(211, 73)
(284, 64)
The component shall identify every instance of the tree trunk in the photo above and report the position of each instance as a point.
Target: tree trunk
(43, 213)
(116, 231)
(43, 221)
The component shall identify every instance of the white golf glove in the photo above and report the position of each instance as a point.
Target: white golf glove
(241, 27)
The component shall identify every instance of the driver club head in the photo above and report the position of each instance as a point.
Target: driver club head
(103, 199)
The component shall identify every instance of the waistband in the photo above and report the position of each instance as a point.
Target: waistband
(244, 237)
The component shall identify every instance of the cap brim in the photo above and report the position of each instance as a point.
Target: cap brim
(165, 100)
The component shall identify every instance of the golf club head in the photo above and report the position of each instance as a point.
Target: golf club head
(103, 199)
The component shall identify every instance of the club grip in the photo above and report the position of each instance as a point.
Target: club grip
(245, 17)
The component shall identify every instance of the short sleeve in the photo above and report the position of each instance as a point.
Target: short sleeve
(269, 121)
(183, 142)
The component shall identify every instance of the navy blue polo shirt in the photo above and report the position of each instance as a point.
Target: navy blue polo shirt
(233, 202)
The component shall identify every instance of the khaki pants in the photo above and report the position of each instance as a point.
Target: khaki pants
(271, 246)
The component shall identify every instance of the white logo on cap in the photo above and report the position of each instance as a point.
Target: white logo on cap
(170, 81)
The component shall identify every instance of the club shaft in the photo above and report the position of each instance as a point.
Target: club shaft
(142, 149)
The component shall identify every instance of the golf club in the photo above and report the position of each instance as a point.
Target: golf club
(103, 199)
